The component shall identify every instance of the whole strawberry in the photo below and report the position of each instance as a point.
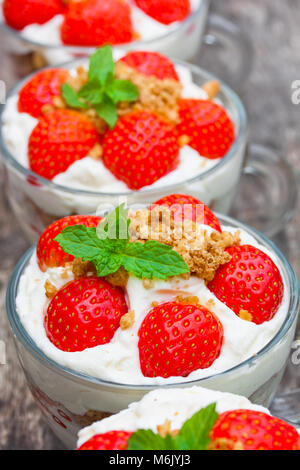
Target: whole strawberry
(84, 313)
(141, 149)
(96, 23)
(187, 207)
(250, 283)
(254, 430)
(208, 127)
(59, 139)
(165, 11)
(151, 64)
(48, 251)
(176, 339)
(21, 13)
(112, 440)
(40, 91)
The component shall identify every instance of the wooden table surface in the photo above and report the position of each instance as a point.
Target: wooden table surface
(273, 27)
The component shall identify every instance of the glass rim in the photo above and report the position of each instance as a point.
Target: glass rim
(21, 334)
(229, 94)
(89, 49)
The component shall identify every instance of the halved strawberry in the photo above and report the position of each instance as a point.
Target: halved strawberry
(165, 11)
(250, 284)
(21, 13)
(111, 440)
(208, 127)
(254, 430)
(49, 252)
(176, 339)
(141, 149)
(96, 23)
(151, 64)
(84, 313)
(59, 139)
(40, 90)
(183, 207)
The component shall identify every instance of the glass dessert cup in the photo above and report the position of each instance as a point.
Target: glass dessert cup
(37, 201)
(71, 400)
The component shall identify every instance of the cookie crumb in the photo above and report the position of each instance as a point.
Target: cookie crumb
(148, 283)
(83, 268)
(119, 278)
(127, 320)
(245, 315)
(212, 88)
(189, 300)
(96, 152)
(50, 289)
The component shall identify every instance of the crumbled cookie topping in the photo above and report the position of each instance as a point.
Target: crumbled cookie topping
(50, 289)
(189, 300)
(225, 444)
(82, 268)
(245, 315)
(211, 88)
(119, 278)
(202, 252)
(165, 429)
(127, 320)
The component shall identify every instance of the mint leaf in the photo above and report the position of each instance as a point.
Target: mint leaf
(101, 64)
(122, 90)
(71, 97)
(153, 260)
(91, 92)
(107, 110)
(148, 440)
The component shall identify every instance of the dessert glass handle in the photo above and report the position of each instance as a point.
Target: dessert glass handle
(267, 192)
(229, 49)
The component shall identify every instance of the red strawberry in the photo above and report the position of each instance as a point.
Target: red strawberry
(250, 281)
(188, 207)
(49, 252)
(84, 313)
(176, 339)
(165, 11)
(141, 149)
(96, 23)
(151, 64)
(112, 440)
(208, 127)
(254, 430)
(59, 139)
(40, 90)
(21, 13)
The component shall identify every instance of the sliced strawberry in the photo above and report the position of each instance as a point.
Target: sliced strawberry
(165, 11)
(21, 13)
(96, 23)
(151, 64)
(141, 149)
(187, 207)
(254, 430)
(208, 127)
(176, 339)
(59, 139)
(112, 440)
(84, 313)
(49, 252)
(249, 283)
(40, 90)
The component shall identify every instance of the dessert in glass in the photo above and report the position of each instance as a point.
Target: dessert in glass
(140, 126)
(190, 419)
(171, 295)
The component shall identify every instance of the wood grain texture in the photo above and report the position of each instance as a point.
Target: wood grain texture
(273, 26)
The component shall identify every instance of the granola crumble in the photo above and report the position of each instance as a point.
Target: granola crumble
(127, 320)
(165, 429)
(245, 315)
(50, 289)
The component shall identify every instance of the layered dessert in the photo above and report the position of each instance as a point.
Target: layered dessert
(132, 124)
(190, 419)
(93, 23)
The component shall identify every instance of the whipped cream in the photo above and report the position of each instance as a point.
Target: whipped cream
(176, 405)
(118, 361)
(90, 175)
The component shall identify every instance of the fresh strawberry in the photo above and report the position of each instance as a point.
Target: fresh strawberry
(208, 127)
(250, 282)
(165, 11)
(49, 252)
(141, 149)
(21, 13)
(151, 64)
(84, 313)
(188, 207)
(176, 339)
(96, 23)
(254, 430)
(112, 440)
(41, 90)
(59, 139)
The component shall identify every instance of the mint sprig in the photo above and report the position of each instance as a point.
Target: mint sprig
(102, 91)
(194, 434)
(108, 248)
